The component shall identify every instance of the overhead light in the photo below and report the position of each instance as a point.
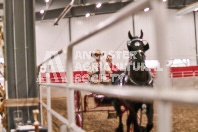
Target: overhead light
(46, 1)
(87, 15)
(188, 9)
(164, 0)
(98, 5)
(146, 9)
(42, 11)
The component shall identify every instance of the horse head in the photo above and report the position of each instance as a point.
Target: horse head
(137, 48)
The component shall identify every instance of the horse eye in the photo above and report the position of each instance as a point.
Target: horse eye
(145, 42)
(129, 42)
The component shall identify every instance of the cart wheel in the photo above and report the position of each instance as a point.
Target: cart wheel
(77, 99)
(86, 99)
(78, 108)
(131, 128)
(79, 120)
(81, 111)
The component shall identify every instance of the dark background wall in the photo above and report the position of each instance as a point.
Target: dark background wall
(20, 55)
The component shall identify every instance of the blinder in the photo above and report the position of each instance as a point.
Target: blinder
(144, 42)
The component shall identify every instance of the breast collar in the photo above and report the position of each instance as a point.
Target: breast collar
(148, 82)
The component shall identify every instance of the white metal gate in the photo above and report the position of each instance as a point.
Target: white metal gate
(162, 94)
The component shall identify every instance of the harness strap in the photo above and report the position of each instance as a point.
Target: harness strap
(131, 79)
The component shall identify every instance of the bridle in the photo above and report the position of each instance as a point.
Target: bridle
(132, 59)
(136, 39)
(132, 53)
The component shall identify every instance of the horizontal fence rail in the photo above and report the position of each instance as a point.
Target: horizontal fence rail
(62, 119)
(50, 58)
(54, 113)
(82, 76)
(137, 93)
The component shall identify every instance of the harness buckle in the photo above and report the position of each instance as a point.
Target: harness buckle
(144, 107)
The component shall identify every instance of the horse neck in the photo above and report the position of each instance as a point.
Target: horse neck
(139, 75)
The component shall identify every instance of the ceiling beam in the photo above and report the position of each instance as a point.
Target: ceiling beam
(64, 12)
(82, 10)
(56, 4)
(187, 9)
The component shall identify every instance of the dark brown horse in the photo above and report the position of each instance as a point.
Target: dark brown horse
(136, 74)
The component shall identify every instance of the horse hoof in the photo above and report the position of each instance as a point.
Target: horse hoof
(143, 129)
(149, 128)
(119, 129)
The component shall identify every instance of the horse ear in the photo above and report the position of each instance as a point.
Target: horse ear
(146, 47)
(141, 36)
(130, 36)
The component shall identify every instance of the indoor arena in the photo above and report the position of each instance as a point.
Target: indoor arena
(98, 65)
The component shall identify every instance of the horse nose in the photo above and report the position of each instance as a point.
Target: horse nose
(143, 56)
(140, 56)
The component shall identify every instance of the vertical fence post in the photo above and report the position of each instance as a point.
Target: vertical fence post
(40, 97)
(6, 89)
(70, 92)
(163, 81)
(49, 116)
(63, 128)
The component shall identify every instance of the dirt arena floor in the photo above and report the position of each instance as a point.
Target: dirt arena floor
(185, 118)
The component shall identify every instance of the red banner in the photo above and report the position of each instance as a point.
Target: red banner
(82, 76)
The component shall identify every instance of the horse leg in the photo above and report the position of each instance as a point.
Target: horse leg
(129, 121)
(149, 114)
(117, 106)
(120, 127)
(132, 118)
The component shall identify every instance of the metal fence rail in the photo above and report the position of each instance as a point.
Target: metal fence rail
(137, 93)
(162, 93)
